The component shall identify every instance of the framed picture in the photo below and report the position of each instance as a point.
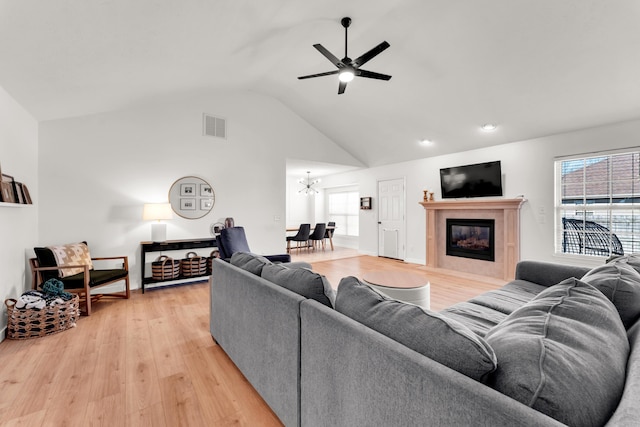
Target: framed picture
(206, 204)
(188, 204)
(7, 186)
(206, 190)
(192, 197)
(188, 189)
(6, 189)
(365, 202)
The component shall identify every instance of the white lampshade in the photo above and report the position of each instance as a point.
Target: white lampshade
(157, 211)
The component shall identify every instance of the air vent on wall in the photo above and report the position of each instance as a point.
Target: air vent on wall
(214, 126)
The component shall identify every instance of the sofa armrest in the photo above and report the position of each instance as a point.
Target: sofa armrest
(628, 411)
(547, 273)
(257, 324)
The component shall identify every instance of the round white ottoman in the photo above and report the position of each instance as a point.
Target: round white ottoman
(401, 285)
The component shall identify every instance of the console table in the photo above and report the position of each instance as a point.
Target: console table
(171, 245)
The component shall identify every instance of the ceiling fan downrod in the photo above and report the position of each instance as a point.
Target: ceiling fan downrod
(346, 21)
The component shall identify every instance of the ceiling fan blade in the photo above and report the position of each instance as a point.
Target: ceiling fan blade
(372, 75)
(328, 73)
(358, 62)
(330, 56)
(342, 87)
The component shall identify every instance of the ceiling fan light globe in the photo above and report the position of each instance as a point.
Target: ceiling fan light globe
(346, 76)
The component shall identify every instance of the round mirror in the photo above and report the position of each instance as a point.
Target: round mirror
(191, 197)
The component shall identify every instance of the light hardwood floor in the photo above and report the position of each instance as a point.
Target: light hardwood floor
(150, 360)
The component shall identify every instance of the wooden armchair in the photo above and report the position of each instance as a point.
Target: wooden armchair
(45, 266)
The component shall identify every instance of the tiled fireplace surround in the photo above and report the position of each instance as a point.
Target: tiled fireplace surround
(505, 212)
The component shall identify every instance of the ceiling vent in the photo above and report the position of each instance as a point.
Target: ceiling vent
(214, 126)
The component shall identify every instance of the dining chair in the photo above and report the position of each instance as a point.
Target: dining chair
(328, 233)
(318, 235)
(301, 236)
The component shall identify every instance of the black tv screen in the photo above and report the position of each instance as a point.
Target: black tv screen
(478, 180)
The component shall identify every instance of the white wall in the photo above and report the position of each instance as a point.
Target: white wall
(18, 223)
(300, 208)
(96, 172)
(527, 168)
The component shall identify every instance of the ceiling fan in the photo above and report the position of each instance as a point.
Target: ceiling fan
(349, 68)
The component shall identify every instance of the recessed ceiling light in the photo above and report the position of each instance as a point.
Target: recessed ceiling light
(489, 127)
(426, 142)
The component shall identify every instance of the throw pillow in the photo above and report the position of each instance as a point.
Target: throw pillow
(632, 260)
(71, 254)
(619, 282)
(250, 262)
(429, 333)
(564, 353)
(302, 281)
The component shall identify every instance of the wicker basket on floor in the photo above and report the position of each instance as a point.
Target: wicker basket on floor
(25, 323)
(165, 268)
(193, 265)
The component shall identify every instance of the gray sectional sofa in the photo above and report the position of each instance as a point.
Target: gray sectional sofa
(559, 345)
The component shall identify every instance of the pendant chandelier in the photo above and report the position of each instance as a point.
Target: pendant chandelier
(308, 185)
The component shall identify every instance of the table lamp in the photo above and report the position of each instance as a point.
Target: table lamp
(157, 212)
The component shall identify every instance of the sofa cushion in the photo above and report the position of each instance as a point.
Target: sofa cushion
(564, 353)
(249, 262)
(633, 260)
(442, 339)
(619, 282)
(302, 281)
(478, 318)
(525, 288)
(96, 278)
(505, 300)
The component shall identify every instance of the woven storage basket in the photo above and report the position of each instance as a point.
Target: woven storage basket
(214, 254)
(24, 323)
(193, 265)
(165, 268)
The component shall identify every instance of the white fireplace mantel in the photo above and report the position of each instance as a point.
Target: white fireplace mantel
(506, 212)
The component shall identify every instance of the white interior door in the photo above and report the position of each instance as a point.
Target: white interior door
(391, 214)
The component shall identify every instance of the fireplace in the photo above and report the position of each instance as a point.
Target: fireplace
(471, 238)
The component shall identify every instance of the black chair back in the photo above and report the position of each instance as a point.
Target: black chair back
(318, 232)
(303, 233)
(326, 233)
(232, 240)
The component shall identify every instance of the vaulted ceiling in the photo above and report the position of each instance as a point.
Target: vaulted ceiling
(533, 67)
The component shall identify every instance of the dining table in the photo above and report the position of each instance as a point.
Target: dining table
(329, 228)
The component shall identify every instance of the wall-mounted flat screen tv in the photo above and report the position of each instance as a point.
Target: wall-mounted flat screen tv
(477, 180)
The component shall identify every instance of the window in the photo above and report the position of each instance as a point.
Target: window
(598, 204)
(344, 210)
